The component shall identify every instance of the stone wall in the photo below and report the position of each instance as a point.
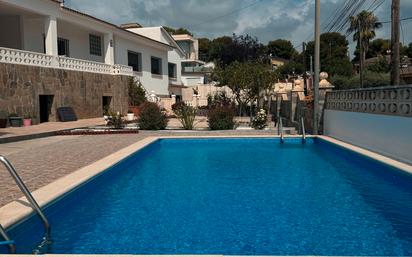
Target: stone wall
(21, 85)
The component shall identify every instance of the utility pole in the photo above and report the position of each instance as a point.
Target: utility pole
(361, 54)
(317, 69)
(395, 72)
(305, 77)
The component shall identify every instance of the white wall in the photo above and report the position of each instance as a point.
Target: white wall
(175, 57)
(384, 134)
(157, 83)
(79, 41)
(193, 80)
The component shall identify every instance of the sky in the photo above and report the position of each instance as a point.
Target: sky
(266, 19)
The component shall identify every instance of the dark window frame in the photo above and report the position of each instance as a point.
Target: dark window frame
(136, 66)
(95, 45)
(66, 44)
(156, 70)
(174, 75)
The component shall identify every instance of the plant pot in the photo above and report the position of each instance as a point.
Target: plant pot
(3, 123)
(16, 121)
(130, 116)
(27, 122)
(135, 110)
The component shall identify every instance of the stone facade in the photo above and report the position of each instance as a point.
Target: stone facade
(21, 87)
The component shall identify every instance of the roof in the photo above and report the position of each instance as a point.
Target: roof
(183, 37)
(106, 22)
(133, 25)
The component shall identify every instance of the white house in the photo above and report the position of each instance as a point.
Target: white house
(47, 34)
(175, 56)
(49, 27)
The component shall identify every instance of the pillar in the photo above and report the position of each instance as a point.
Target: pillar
(50, 30)
(108, 48)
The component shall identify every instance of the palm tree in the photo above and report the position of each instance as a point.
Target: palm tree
(363, 25)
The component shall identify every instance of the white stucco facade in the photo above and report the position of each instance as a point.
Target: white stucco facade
(37, 25)
(175, 56)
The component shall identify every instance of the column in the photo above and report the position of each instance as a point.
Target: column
(50, 30)
(108, 48)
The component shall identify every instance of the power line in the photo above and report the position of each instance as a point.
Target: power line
(403, 19)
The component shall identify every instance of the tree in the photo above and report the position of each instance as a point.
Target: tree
(334, 57)
(178, 31)
(204, 49)
(249, 81)
(281, 48)
(243, 48)
(221, 49)
(291, 68)
(378, 47)
(409, 51)
(363, 26)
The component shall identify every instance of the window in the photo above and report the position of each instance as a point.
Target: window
(172, 70)
(95, 43)
(134, 60)
(63, 46)
(156, 65)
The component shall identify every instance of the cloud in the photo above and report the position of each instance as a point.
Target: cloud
(265, 19)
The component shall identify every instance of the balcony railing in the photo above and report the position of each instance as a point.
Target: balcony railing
(15, 56)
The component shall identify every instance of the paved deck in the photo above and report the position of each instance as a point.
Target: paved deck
(41, 161)
(44, 129)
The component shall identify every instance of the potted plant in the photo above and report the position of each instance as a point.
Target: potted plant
(3, 119)
(130, 115)
(15, 120)
(137, 96)
(27, 119)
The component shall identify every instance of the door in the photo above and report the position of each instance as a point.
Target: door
(106, 104)
(45, 103)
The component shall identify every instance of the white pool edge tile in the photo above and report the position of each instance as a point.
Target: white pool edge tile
(375, 156)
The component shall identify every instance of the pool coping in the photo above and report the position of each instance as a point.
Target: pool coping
(18, 210)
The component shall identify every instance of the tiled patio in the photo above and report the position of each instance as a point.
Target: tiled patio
(44, 128)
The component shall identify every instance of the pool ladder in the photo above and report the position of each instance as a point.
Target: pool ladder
(302, 126)
(281, 132)
(35, 206)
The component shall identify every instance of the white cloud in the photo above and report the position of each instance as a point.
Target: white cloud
(267, 20)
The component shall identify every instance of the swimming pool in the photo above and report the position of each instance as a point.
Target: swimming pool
(234, 197)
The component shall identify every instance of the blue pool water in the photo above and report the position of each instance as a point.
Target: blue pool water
(234, 197)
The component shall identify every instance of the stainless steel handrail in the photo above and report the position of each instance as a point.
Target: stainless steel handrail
(302, 123)
(280, 130)
(11, 244)
(47, 229)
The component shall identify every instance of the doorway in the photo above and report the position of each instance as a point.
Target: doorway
(45, 103)
(107, 100)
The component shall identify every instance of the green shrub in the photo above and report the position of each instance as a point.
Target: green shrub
(152, 117)
(115, 120)
(185, 114)
(137, 94)
(370, 79)
(221, 118)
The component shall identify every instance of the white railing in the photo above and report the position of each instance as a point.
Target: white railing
(15, 56)
(83, 65)
(122, 69)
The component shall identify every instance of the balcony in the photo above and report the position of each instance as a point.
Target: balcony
(15, 56)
